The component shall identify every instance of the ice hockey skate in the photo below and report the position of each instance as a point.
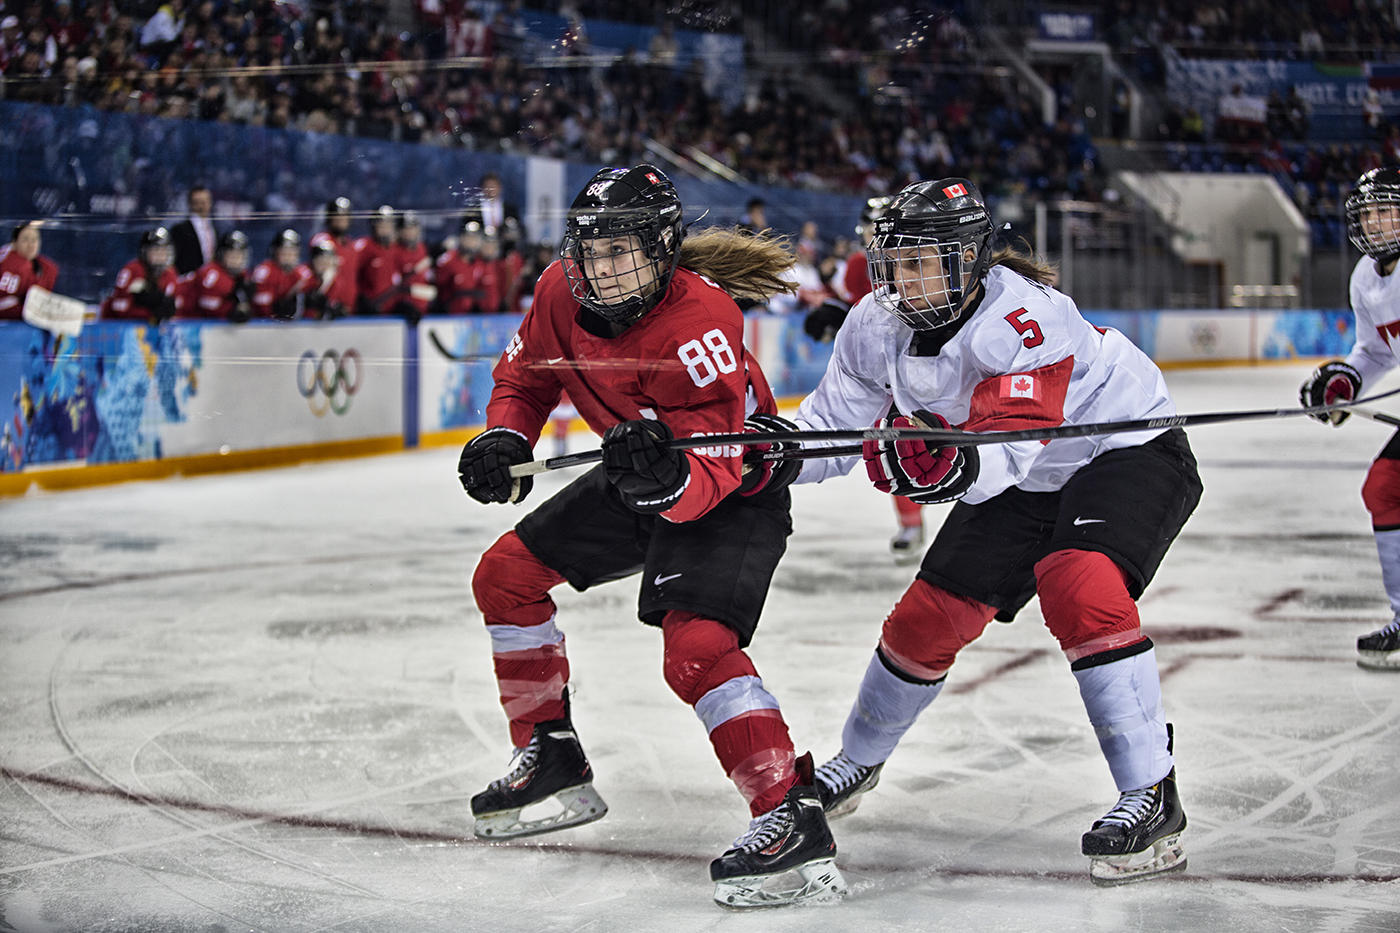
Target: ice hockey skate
(550, 787)
(841, 783)
(1138, 838)
(1380, 650)
(786, 857)
(907, 545)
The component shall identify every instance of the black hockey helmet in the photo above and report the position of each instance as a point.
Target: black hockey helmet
(919, 266)
(323, 249)
(409, 219)
(155, 239)
(235, 241)
(287, 240)
(871, 211)
(338, 206)
(1372, 233)
(287, 237)
(636, 213)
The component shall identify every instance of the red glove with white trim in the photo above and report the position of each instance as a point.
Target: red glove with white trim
(912, 468)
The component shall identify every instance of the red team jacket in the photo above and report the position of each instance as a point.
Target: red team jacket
(206, 292)
(456, 283)
(17, 274)
(683, 363)
(272, 283)
(134, 277)
(377, 276)
(856, 280)
(343, 288)
(415, 267)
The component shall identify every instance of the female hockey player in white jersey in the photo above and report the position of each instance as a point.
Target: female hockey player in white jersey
(954, 333)
(1373, 226)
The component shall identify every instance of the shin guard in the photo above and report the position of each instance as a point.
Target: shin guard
(1123, 698)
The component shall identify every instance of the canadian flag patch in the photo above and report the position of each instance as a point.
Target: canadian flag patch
(1020, 385)
(955, 191)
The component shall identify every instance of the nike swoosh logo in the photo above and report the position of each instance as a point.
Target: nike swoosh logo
(660, 579)
(1089, 521)
(557, 359)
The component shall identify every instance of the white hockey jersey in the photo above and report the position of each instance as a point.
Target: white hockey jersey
(1025, 359)
(1375, 299)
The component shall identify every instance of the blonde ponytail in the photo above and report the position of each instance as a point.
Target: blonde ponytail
(745, 266)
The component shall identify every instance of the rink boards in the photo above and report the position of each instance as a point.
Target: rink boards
(125, 401)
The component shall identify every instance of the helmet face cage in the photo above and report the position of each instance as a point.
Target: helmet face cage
(931, 246)
(921, 280)
(621, 247)
(1373, 215)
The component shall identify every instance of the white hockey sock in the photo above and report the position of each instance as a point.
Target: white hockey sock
(1124, 702)
(886, 706)
(1388, 547)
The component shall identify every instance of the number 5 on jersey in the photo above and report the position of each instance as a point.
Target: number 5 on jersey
(1028, 329)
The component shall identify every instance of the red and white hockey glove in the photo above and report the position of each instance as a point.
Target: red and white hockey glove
(761, 474)
(1331, 382)
(925, 474)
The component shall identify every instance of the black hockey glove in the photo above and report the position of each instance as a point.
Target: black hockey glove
(823, 321)
(242, 297)
(1333, 381)
(649, 475)
(925, 474)
(768, 475)
(285, 308)
(484, 466)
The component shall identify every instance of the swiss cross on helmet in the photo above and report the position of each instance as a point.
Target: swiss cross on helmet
(931, 246)
(622, 242)
(1373, 214)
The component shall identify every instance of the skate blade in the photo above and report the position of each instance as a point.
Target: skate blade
(1379, 660)
(1166, 855)
(848, 806)
(572, 806)
(844, 808)
(816, 882)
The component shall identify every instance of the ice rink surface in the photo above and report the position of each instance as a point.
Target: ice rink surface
(261, 701)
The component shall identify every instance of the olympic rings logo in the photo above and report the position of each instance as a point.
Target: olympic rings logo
(330, 381)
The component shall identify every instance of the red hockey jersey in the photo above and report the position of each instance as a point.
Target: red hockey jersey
(134, 279)
(17, 274)
(684, 363)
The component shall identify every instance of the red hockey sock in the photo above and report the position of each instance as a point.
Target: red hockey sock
(706, 668)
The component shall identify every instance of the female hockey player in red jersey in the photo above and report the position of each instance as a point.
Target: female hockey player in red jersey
(1373, 226)
(639, 328)
(954, 332)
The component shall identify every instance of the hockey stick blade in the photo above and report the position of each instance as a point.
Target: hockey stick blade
(459, 357)
(952, 437)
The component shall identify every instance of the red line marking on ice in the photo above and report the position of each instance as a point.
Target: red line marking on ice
(967, 686)
(1279, 599)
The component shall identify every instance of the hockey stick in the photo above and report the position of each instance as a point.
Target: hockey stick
(1374, 415)
(952, 437)
(459, 357)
